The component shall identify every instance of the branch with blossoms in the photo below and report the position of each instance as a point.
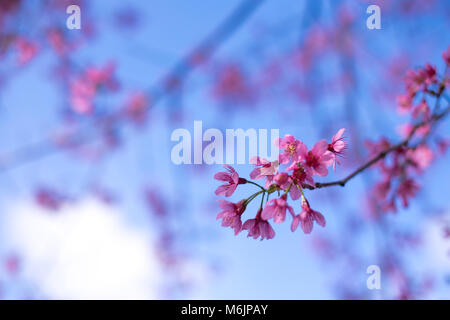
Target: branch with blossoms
(301, 167)
(303, 164)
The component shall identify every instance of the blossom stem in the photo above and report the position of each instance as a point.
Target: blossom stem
(262, 200)
(253, 196)
(262, 188)
(436, 117)
(288, 188)
(301, 190)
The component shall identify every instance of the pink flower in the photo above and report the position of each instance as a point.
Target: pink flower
(259, 227)
(82, 96)
(231, 214)
(27, 50)
(406, 129)
(416, 80)
(232, 84)
(412, 82)
(447, 232)
(155, 202)
(282, 180)
(407, 189)
(422, 109)
(102, 76)
(58, 41)
(376, 147)
(428, 74)
(300, 175)
(337, 146)
(49, 199)
(84, 89)
(12, 264)
(446, 56)
(232, 178)
(266, 169)
(307, 217)
(404, 103)
(292, 148)
(318, 158)
(420, 157)
(136, 107)
(276, 209)
(381, 189)
(443, 145)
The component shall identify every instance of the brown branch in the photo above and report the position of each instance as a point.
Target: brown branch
(436, 117)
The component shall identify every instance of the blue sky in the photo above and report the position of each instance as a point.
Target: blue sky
(283, 268)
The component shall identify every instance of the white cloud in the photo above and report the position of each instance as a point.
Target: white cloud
(84, 251)
(436, 245)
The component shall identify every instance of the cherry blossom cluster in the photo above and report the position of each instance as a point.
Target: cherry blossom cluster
(399, 170)
(300, 165)
(84, 89)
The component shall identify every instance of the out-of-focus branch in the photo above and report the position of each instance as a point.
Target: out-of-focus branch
(178, 72)
(435, 118)
(206, 47)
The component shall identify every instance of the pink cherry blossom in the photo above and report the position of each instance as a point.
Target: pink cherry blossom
(300, 175)
(306, 218)
(136, 107)
(292, 148)
(84, 89)
(12, 264)
(264, 169)
(49, 199)
(232, 84)
(27, 50)
(412, 82)
(337, 146)
(276, 209)
(282, 180)
(446, 56)
(318, 158)
(404, 103)
(231, 214)
(420, 79)
(102, 76)
(406, 129)
(408, 188)
(155, 202)
(293, 179)
(82, 95)
(422, 110)
(443, 144)
(258, 227)
(428, 74)
(231, 177)
(58, 41)
(420, 157)
(381, 189)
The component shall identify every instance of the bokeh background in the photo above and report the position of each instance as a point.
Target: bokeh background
(91, 205)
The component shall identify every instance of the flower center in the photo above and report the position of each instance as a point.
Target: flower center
(300, 174)
(292, 147)
(311, 160)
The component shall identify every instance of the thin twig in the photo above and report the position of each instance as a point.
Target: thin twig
(381, 155)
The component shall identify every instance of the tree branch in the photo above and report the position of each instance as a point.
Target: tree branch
(159, 90)
(436, 117)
